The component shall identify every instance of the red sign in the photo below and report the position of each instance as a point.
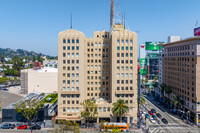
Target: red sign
(197, 31)
(142, 46)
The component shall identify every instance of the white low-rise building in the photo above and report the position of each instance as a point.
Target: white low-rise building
(41, 80)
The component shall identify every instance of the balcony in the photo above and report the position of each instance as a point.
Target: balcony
(70, 92)
(124, 92)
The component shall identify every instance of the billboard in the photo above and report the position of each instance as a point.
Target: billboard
(197, 31)
(143, 66)
(152, 45)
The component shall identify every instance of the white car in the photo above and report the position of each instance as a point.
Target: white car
(152, 120)
(144, 112)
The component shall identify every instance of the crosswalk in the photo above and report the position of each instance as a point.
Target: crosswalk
(173, 128)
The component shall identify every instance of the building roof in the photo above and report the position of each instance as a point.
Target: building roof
(47, 69)
(181, 41)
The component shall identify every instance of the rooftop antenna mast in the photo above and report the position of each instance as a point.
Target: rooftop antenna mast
(71, 22)
(111, 13)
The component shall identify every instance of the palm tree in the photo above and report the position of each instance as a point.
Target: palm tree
(120, 108)
(168, 91)
(177, 102)
(162, 86)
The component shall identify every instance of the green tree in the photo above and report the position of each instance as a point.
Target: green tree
(89, 112)
(120, 108)
(168, 91)
(142, 100)
(29, 109)
(162, 86)
(3, 80)
(66, 126)
(177, 102)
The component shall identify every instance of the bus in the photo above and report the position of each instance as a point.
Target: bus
(113, 126)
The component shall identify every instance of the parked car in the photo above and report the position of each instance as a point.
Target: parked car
(154, 117)
(152, 120)
(147, 116)
(35, 127)
(8, 126)
(22, 127)
(158, 115)
(153, 110)
(164, 121)
(150, 112)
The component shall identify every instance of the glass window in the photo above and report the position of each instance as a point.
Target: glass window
(118, 48)
(77, 82)
(63, 88)
(131, 75)
(118, 74)
(131, 41)
(72, 47)
(95, 44)
(77, 47)
(131, 48)
(72, 88)
(122, 75)
(64, 82)
(64, 41)
(68, 41)
(99, 44)
(99, 109)
(77, 68)
(131, 54)
(122, 41)
(122, 48)
(68, 47)
(117, 41)
(77, 41)
(72, 40)
(73, 75)
(72, 54)
(77, 75)
(126, 41)
(77, 109)
(104, 109)
(72, 81)
(68, 88)
(77, 54)
(126, 74)
(68, 109)
(64, 48)
(126, 47)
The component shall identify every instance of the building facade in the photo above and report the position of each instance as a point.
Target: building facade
(40, 80)
(103, 68)
(182, 73)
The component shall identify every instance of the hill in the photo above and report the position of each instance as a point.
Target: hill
(10, 53)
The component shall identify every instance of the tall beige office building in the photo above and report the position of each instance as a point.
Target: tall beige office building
(103, 68)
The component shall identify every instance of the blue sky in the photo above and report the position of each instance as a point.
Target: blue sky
(35, 24)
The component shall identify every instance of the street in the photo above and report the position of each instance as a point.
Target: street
(174, 125)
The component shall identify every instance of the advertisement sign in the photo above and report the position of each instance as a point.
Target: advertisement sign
(197, 31)
(152, 45)
(143, 66)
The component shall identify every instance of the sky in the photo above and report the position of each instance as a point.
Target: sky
(34, 24)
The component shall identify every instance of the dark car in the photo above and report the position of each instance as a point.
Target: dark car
(164, 121)
(147, 116)
(154, 117)
(35, 127)
(8, 126)
(153, 110)
(158, 115)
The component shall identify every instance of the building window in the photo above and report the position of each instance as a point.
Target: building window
(68, 109)
(77, 47)
(77, 41)
(63, 81)
(77, 109)
(131, 41)
(118, 48)
(131, 48)
(64, 110)
(99, 109)
(126, 47)
(64, 48)
(68, 47)
(68, 41)
(64, 41)
(63, 88)
(122, 48)
(104, 109)
(72, 40)
(117, 41)
(72, 47)
(126, 41)
(122, 41)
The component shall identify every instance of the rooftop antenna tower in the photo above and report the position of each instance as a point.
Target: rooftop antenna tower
(111, 13)
(71, 22)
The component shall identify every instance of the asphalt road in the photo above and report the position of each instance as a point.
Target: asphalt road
(173, 126)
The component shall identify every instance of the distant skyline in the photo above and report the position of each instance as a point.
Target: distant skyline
(34, 25)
